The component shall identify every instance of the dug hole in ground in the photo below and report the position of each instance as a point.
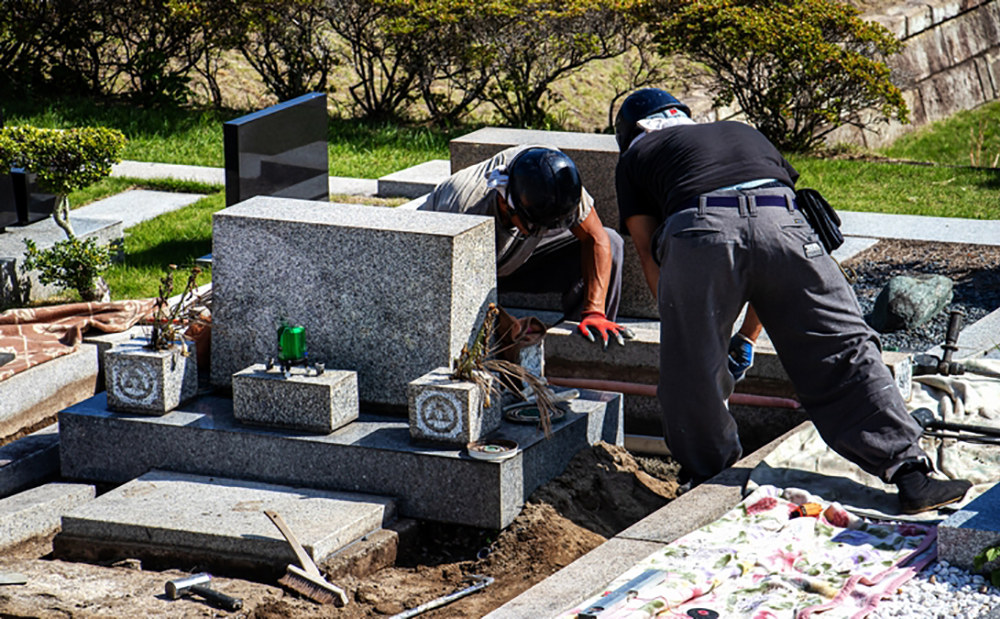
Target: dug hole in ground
(604, 490)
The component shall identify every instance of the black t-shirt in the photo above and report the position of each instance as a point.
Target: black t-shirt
(672, 165)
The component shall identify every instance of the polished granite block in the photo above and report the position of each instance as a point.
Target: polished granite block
(8, 206)
(373, 455)
(33, 204)
(388, 294)
(279, 151)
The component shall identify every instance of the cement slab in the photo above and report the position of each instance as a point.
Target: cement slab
(38, 393)
(163, 509)
(149, 170)
(918, 228)
(971, 530)
(415, 181)
(372, 455)
(137, 205)
(29, 460)
(37, 512)
(343, 186)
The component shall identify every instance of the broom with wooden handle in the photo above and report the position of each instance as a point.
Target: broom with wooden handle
(308, 580)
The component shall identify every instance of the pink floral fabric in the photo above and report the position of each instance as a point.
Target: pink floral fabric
(764, 561)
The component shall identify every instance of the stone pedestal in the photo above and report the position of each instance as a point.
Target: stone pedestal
(149, 382)
(303, 401)
(451, 411)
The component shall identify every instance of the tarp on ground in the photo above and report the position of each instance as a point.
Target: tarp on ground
(39, 334)
(761, 561)
(804, 460)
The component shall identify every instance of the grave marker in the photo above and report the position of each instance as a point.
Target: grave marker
(389, 294)
(279, 151)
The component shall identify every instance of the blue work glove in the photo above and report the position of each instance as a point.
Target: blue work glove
(597, 321)
(740, 356)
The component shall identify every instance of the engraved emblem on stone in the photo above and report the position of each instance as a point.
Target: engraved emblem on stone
(438, 413)
(136, 383)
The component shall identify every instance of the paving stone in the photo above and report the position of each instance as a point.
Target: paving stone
(37, 512)
(302, 401)
(389, 294)
(137, 205)
(29, 460)
(164, 509)
(144, 169)
(971, 530)
(416, 181)
(373, 455)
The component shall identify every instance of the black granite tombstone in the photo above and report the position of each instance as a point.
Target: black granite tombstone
(8, 206)
(279, 151)
(32, 203)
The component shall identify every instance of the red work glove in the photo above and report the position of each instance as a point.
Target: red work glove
(597, 321)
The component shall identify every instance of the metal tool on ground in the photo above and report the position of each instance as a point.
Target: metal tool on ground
(307, 580)
(482, 583)
(944, 365)
(198, 584)
(13, 578)
(960, 431)
(611, 599)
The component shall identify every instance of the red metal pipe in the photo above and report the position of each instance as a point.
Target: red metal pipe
(744, 399)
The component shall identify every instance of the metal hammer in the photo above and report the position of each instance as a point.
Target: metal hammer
(198, 583)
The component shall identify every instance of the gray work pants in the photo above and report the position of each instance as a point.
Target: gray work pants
(713, 260)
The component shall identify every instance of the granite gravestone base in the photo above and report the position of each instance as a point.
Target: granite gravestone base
(279, 151)
(388, 294)
(373, 455)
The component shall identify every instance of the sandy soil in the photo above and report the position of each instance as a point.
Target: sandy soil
(603, 491)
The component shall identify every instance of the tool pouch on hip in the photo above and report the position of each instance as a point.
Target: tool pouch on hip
(821, 217)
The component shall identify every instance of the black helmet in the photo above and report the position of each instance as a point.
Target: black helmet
(544, 187)
(638, 105)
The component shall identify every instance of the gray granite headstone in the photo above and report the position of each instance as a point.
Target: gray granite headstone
(388, 294)
(303, 400)
(279, 151)
(595, 156)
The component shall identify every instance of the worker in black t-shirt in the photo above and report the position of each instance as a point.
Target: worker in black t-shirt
(711, 210)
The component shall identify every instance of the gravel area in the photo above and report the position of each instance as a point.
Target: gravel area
(940, 591)
(975, 270)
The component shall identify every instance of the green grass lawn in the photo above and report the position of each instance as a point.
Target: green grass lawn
(362, 150)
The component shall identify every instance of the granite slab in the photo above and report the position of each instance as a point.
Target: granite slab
(415, 181)
(29, 460)
(164, 509)
(37, 512)
(372, 455)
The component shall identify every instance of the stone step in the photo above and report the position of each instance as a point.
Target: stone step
(415, 181)
(29, 460)
(37, 512)
(971, 530)
(167, 514)
(373, 455)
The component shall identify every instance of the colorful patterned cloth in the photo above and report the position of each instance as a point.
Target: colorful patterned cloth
(36, 335)
(762, 561)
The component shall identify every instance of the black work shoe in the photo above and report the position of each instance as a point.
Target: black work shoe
(920, 493)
